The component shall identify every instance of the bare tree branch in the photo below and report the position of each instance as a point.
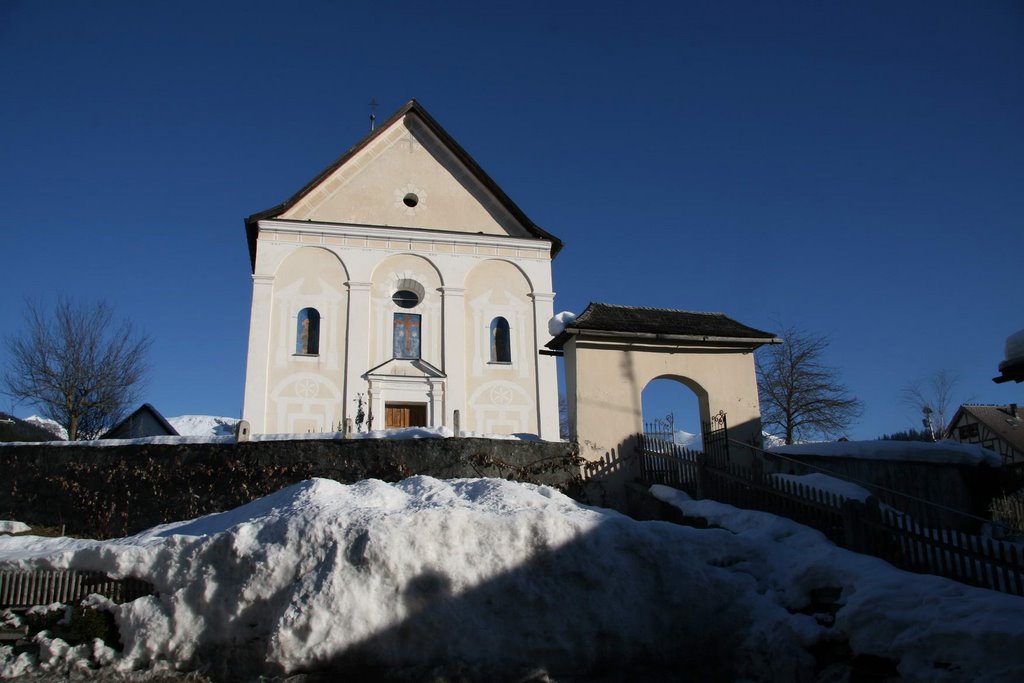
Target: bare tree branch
(800, 396)
(76, 366)
(932, 397)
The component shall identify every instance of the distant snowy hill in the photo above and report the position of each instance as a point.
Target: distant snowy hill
(203, 425)
(49, 425)
(688, 440)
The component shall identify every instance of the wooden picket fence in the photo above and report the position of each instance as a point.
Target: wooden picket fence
(865, 527)
(23, 588)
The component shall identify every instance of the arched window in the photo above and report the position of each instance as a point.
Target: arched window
(307, 335)
(501, 346)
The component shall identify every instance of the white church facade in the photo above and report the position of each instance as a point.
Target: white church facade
(401, 281)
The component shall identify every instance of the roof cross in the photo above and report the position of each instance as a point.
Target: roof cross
(373, 115)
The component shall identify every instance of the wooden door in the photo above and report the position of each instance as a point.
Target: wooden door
(399, 416)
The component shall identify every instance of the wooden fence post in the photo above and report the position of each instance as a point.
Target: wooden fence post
(853, 524)
(701, 480)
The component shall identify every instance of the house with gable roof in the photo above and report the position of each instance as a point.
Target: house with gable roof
(997, 428)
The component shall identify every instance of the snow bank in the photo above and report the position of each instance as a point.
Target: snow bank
(9, 527)
(936, 629)
(948, 451)
(494, 579)
(515, 577)
(558, 322)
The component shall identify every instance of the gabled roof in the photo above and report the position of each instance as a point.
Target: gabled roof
(1006, 422)
(411, 107)
(661, 324)
(423, 366)
(142, 411)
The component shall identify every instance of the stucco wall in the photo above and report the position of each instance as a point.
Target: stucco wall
(402, 209)
(605, 380)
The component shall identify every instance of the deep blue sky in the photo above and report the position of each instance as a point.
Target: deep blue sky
(856, 169)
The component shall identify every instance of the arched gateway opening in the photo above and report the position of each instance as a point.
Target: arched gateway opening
(612, 353)
(674, 410)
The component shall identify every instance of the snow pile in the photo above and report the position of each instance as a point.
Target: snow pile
(49, 425)
(559, 321)
(203, 425)
(516, 577)
(480, 577)
(9, 527)
(936, 629)
(948, 451)
(1015, 346)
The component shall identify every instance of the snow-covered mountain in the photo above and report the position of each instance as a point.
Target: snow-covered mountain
(203, 425)
(49, 425)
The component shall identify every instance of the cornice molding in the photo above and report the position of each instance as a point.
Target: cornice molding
(410, 235)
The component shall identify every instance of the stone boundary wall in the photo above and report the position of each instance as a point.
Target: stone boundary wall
(109, 491)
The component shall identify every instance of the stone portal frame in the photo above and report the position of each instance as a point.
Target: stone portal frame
(613, 352)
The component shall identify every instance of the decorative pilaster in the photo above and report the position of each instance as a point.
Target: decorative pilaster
(254, 407)
(547, 370)
(454, 351)
(357, 351)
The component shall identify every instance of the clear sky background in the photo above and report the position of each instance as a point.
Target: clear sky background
(855, 169)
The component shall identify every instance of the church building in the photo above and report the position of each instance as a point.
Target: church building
(403, 284)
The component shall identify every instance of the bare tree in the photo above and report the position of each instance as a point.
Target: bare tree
(76, 366)
(800, 396)
(932, 396)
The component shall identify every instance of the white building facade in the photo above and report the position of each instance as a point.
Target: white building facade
(404, 283)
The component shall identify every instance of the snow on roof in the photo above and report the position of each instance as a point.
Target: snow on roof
(948, 451)
(518, 578)
(558, 322)
(828, 484)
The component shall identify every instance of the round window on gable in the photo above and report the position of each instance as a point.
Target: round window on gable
(411, 200)
(405, 298)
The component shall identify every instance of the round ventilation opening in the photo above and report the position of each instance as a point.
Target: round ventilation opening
(410, 200)
(404, 298)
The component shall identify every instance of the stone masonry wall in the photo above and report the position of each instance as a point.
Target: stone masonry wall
(118, 490)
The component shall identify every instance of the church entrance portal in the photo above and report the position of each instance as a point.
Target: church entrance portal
(400, 415)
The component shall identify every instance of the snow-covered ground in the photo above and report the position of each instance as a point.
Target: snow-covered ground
(492, 579)
(947, 451)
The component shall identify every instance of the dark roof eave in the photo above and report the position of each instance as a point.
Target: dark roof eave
(754, 342)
